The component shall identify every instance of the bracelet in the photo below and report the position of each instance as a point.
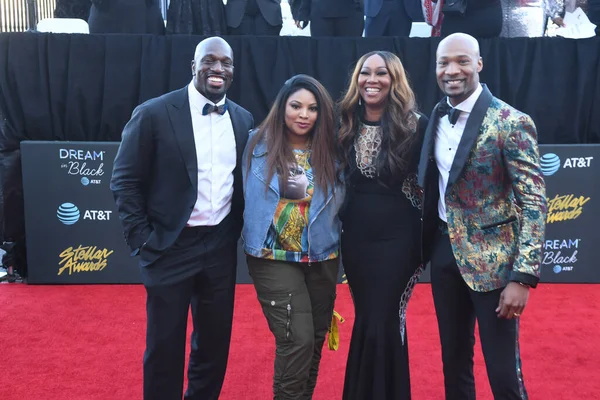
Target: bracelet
(524, 285)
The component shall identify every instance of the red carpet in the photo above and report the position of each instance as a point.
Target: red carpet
(86, 343)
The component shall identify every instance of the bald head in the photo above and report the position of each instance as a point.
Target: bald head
(212, 68)
(212, 42)
(457, 66)
(466, 42)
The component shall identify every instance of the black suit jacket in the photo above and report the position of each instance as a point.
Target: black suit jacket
(270, 10)
(412, 7)
(308, 9)
(155, 174)
(477, 4)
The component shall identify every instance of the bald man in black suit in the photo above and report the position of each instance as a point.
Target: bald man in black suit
(177, 182)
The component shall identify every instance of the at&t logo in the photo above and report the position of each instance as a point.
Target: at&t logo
(68, 214)
(578, 162)
(550, 163)
(558, 269)
(86, 181)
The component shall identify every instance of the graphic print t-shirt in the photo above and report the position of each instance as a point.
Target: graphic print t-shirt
(287, 239)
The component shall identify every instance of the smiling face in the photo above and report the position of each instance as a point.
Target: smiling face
(457, 67)
(374, 82)
(213, 68)
(301, 112)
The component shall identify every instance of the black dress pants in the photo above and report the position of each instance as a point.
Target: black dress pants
(457, 307)
(351, 26)
(198, 271)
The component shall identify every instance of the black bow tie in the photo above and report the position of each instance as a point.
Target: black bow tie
(451, 112)
(210, 108)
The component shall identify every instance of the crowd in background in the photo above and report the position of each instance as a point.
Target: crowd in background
(371, 18)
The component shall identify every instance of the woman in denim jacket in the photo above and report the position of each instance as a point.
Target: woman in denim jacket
(291, 233)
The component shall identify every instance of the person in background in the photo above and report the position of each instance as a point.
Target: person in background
(254, 17)
(196, 17)
(481, 19)
(291, 233)
(594, 14)
(556, 9)
(389, 17)
(126, 16)
(380, 135)
(72, 9)
(330, 17)
(523, 18)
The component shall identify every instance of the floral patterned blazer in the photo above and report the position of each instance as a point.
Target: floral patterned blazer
(495, 199)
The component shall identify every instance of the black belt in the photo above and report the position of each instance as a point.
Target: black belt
(201, 228)
(208, 228)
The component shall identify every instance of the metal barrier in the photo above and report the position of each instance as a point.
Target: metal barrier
(23, 15)
(44, 9)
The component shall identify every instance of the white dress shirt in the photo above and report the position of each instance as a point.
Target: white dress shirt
(447, 139)
(216, 153)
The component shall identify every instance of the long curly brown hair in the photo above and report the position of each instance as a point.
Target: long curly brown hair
(273, 129)
(398, 123)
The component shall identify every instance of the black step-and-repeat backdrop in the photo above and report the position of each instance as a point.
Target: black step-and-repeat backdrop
(74, 234)
(572, 174)
(72, 226)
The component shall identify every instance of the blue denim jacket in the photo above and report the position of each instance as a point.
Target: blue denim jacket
(323, 223)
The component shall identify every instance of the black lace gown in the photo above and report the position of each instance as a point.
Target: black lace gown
(196, 17)
(72, 9)
(381, 254)
(126, 17)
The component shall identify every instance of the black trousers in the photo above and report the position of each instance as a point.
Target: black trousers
(457, 307)
(392, 20)
(200, 273)
(351, 26)
(480, 22)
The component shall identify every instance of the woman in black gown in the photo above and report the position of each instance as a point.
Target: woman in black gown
(126, 16)
(381, 134)
(196, 17)
(72, 9)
